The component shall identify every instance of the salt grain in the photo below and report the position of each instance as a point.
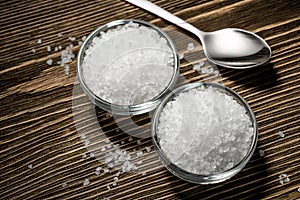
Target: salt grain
(130, 139)
(122, 142)
(138, 142)
(64, 184)
(282, 176)
(108, 187)
(204, 131)
(190, 46)
(83, 38)
(148, 149)
(97, 173)
(80, 43)
(139, 153)
(106, 170)
(49, 61)
(280, 133)
(86, 182)
(299, 189)
(48, 48)
(261, 153)
(198, 66)
(72, 39)
(59, 35)
(86, 142)
(39, 41)
(181, 56)
(107, 141)
(30, 166)
(84, 155)
(98, 168)
(281, 182)
(33, 50)
(56, 49)
(92, 155)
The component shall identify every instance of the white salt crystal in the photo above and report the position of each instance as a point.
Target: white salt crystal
(122, 142)
(67, 69)
(39, 41)
(86, 182)
(98, 168)
(84, 155)
(59, 35)
(49, 61)
(106, 198)
(97, 173)
(118, 173)
(110, 165)
(92, 155)
(190, 46)
(106, 170)
(261, 153)
(72, 39)
(280, 133)
(181, 56)
(139, 162)
(107, 141)
(282, 176)
(86, 142)
(83, 38)
(204, 70)
(33, 50)
(281, 182)
(108, 187)
(56, 49)
(30, 166)
(80, 43)
(287, 179)
(64, 184)
(299, 189)
(109, 146)
(138, 142)
(59, 47)
(148, 149)
(130, 139)
(103, 149)
(144, 173)
(139, 153)
(48, 48)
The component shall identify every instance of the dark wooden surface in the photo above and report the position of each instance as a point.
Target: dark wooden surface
(36, 117)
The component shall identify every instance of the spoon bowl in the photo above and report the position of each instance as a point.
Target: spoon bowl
(235, 48)
(231, 48)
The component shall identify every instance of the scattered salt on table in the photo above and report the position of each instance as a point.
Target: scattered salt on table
(190, 46)
(261, 153)
(49, 61)
(280, 133)
(86, 182)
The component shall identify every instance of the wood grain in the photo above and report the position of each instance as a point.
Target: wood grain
(37, 124)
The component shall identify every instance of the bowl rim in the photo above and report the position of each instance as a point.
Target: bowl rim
(199, 178)
(118, 108)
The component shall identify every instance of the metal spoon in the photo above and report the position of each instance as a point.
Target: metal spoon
(231, 48)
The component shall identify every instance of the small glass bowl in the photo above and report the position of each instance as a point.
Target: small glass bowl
(126, 109)
(198, 178)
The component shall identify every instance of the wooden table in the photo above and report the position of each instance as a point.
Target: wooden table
(41, 152)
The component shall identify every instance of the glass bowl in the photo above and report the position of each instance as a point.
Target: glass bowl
(120, 109)
(200, 178)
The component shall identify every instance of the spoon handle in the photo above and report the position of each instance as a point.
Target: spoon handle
(147, 5)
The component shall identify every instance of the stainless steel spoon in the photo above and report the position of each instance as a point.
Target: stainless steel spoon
(230, 47)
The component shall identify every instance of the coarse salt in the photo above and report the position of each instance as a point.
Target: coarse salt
(204, 131)
(136, 65)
